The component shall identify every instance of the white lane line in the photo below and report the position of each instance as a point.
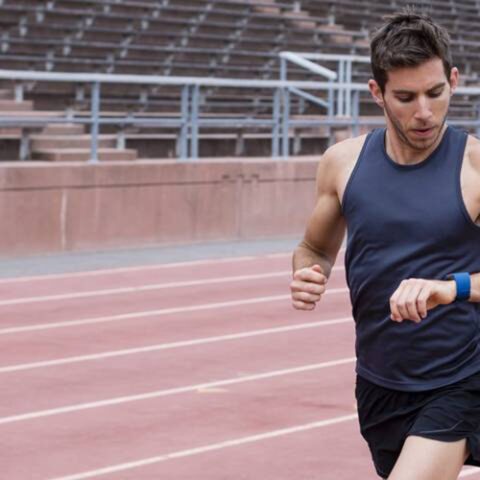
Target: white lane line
(279, 255)
(152, 313)
(209, 448)
(147, 313)
(469, 471)
(168, 346)
(172, 391)
(106, 271)
(144, 288)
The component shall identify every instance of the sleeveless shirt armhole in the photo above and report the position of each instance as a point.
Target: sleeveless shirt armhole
(458, 188)
(355, 168)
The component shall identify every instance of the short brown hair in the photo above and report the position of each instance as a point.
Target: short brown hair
(408, 39)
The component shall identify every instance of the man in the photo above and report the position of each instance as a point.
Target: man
(410, 197)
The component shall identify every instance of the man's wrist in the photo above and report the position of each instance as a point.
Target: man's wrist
(463, 285)
(452, 286)
(475, 293)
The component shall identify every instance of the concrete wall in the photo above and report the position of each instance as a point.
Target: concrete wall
(64, 207)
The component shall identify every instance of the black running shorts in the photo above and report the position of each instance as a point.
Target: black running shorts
(447, 414)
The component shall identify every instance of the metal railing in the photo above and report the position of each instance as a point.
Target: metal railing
(343, 104)
(189, 120)
(345, 95)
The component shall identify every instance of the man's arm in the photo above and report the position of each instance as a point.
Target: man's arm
(415, 296)
(475, 295)
(314, 257)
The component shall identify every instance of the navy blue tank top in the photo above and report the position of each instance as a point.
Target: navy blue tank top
(410, 221)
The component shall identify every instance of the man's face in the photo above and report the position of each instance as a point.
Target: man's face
(416, 101)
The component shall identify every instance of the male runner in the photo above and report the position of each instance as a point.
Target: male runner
(410, 197)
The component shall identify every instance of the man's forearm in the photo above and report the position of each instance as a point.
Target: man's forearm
(475, 287)
(304, 257)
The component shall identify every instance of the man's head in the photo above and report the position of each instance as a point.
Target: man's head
(408, 39)
(413, 77)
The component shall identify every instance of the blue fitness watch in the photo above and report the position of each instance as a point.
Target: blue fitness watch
(464, 285)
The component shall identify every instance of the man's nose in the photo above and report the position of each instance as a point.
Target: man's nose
(424, 111)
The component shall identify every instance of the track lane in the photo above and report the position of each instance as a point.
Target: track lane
(64, 385)
(121, 278)
(85, 339)
(92, 439)
(335, 452)
(95, 433)
(117, 304)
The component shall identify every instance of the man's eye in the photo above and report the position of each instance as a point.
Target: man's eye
(435, 94)
(404, 99)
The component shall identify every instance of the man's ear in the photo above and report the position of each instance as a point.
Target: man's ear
(454, 77)
(376, 92)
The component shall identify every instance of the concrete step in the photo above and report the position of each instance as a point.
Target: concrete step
(13, 106)
(83, 154)
(301, 19)
(64, 129)
(11, 131)
(31, 113)
(57, 142)
(6, 94)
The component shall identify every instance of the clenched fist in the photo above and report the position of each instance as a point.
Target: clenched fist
(307, 287)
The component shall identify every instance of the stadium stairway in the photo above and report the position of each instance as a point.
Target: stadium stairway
(56, 142)
(68, 142)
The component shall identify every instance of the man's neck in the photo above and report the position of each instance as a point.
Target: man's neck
(402, 153)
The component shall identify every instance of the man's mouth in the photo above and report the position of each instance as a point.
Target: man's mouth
(423, 132)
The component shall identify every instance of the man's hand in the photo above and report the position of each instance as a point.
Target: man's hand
(307, 287)
(415, 296)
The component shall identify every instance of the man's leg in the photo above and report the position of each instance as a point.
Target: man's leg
(427, 459)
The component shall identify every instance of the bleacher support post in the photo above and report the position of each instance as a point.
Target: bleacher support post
(19, 92)
(24, 146)
(121, 141)
(285, 108)
(185, 122)
(194, 123)
(348, 90)
(340, 92)
(356, 113)
(286, 122)
(331, 111)
(276, 122)
(331, 101)
(94, 125)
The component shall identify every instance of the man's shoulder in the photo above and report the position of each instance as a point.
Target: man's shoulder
(473, 153)
(343, 155)
(337, 163)
(345, 150)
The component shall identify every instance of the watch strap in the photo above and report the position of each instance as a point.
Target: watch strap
(463, 282)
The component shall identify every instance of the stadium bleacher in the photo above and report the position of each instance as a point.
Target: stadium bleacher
(211, 38)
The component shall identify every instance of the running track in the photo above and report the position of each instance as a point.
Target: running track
(193, 371)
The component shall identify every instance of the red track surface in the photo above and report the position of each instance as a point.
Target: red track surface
(198, 371)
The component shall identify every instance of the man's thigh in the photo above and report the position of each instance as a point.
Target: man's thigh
(426, 459)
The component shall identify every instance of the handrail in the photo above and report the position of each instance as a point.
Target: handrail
(334, 56)
(155, 80)
(189, 122)
(190, 119)
(301, 60)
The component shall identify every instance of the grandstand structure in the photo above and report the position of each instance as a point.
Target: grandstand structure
(204, 38)
(67, 204)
